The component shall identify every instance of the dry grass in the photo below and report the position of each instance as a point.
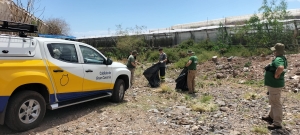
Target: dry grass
(297, 116)
(206, 98)
(168, 92)
(204, 104)
(204, 107)
(251, 96)
(296, 96)
(139, 72)
(164, 88)
(260, 130)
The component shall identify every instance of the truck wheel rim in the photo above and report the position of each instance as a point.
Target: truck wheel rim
(29, 111)
(121, 91)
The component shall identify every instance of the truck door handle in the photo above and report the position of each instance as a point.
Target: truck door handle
(5, 51)
(58, 70)
(88, 70)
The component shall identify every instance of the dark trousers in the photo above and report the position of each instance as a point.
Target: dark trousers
(162, 73)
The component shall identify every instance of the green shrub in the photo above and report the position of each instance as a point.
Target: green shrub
(238, 50)
(187, 44)
(206, 98)
(206, 45)
(206, 55)
(247, 64)
(172, 55)
(181, 62)
(153, 56)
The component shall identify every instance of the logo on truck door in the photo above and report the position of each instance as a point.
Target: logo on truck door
(104, 75)
(64, 80)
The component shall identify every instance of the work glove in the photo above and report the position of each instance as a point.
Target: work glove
(161, 61)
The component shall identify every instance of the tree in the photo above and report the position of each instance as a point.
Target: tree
(223, 39)
(273, 13)
(269, 28)
(24, 11)
(57, 26)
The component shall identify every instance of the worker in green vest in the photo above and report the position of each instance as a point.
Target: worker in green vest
(192, 70)
(274, 80)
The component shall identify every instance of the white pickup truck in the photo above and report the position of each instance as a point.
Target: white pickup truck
(38, 73)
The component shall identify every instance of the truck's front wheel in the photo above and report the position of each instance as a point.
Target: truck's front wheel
(119, 91)
(26, 110)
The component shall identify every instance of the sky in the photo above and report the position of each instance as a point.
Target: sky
(99, 17)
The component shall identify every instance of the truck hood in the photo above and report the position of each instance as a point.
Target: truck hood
(118, 64)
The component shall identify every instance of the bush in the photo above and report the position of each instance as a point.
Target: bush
(187, 44)
(207, 45)
(181, 62)
(152, 56)
(248, 64)
(172, 55)
(206, 55)
(238, 50)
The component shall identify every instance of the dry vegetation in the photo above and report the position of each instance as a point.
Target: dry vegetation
(229, 105)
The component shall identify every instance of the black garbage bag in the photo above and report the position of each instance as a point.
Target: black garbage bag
(181, 81)
(152, 76)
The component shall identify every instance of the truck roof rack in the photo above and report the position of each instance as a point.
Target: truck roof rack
(8, 26)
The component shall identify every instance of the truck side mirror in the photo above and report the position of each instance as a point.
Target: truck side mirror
(108, 61)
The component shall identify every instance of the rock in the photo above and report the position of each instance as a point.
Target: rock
(204, 128)
(120, 119)
(224, 109)
(220, 75)
(90, 130)
(226, 66)
(221, 103)
(214, 59)
(242, 81)
(51, 132)
(194, 128)
(219, 67)
(217, 115)
(296, 90)
(187, 126)
(235, 73)
(245, 69)
(232, 105)
(229, 59)
(82, 124)
(104, 128)
(181, 107)
(153, 110)
(235, 132)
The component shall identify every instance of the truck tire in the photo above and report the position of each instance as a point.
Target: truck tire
(26, 110)
(119, 91)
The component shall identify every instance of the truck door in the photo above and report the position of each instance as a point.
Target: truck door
(67, 72)
(97, 75)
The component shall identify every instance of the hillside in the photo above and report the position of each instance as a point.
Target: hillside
(230, 100)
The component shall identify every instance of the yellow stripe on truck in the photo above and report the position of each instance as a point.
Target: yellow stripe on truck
(15, 73)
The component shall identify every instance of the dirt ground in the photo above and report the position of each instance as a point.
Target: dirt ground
(230, 100)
